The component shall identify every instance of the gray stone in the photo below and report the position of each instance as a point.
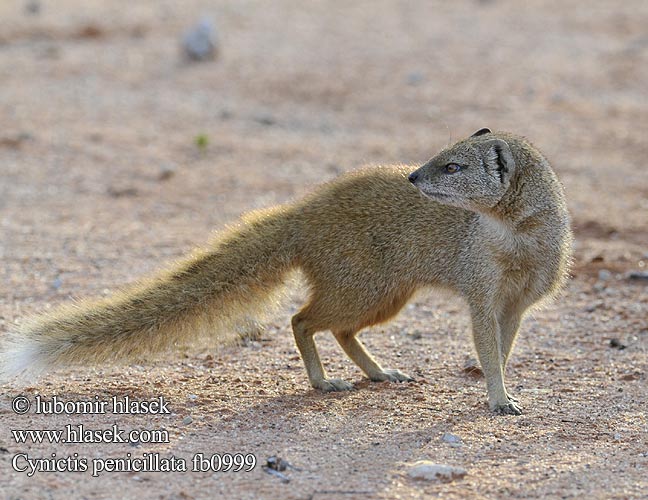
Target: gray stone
(604, 275)
(451, 439)
(200, 43)
(638, 275)
(33, 7)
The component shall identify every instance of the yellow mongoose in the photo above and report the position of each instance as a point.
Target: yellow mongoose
(491, 224)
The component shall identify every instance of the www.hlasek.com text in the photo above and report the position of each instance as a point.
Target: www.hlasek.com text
(79, 433)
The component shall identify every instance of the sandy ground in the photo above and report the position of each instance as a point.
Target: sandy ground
(102, 181)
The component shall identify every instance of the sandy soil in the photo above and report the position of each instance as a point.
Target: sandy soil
(102, 181)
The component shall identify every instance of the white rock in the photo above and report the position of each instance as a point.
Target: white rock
(429, 471)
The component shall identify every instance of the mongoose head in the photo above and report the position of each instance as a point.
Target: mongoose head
(473, 174)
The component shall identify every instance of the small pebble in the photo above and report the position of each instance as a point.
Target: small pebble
(192, 397)
(451, 439)
(33, 7)
(429, 471)
(166, 172)
(638, 276)
(604, 275)
(617, 344)
(200, 42)
(121, 192)
(277, 463)
(187, 420)
(265, 119)
(415, 78)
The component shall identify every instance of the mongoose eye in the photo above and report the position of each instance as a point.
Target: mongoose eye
(452, 168)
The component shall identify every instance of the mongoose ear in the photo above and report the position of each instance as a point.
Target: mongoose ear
(481, 131)
(499, 159)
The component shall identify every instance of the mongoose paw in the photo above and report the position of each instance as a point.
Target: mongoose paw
(392, 376)
(509, 408)
(333, 385)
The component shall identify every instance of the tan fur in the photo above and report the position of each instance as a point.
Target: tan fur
(496, 232)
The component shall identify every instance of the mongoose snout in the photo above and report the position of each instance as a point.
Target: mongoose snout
(413, 177)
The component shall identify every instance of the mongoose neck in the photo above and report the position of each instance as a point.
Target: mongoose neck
(534, 196)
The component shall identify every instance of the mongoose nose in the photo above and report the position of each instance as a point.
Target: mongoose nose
(413, 176)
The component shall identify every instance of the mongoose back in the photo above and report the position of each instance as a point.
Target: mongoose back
(485, 217)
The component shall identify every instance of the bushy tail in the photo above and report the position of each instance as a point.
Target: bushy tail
(232, 278)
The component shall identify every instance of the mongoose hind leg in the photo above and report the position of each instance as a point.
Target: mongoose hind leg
(304, 332)
(345, 315)
(486, 334)
(359, 355)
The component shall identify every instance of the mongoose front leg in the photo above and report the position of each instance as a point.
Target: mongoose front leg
(308, 350)
(359, 355)
(485, 335)
(509, 323)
